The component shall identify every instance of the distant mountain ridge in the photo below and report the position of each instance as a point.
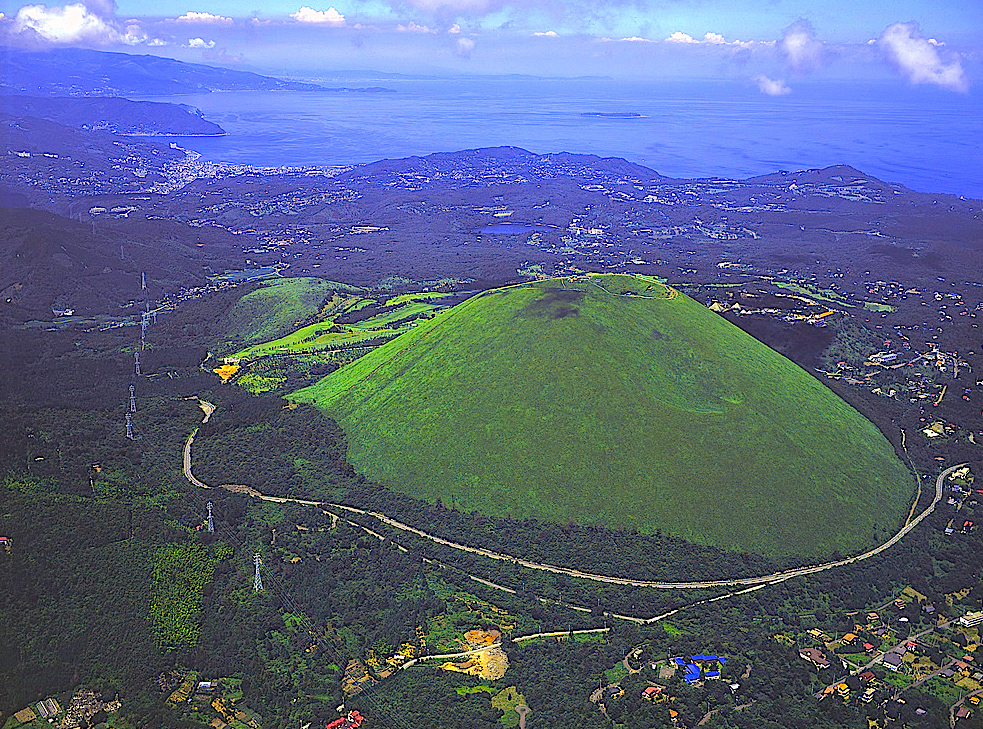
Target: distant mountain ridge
(81, 72)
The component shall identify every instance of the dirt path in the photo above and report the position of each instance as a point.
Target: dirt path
(753, 583)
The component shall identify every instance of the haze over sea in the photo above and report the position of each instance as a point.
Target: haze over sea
(927, 139)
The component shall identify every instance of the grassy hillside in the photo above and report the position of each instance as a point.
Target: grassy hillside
(275, 309)
(617, 401)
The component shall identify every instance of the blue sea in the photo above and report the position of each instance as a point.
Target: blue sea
(927, 139)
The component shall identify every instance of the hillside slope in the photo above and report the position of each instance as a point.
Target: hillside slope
(113, 115)
(576, 400)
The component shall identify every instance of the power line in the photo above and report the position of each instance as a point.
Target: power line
(258, 581)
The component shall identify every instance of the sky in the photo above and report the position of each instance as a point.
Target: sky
(773, 44)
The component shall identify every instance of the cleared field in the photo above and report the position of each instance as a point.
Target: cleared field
(273, 310)
(400, 316)
(616, 401)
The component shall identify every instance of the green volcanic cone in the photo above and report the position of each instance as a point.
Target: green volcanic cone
(617, 401)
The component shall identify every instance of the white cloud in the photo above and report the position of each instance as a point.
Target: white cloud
(771, 87)
(325, 17)
(463, 47)
(67, 24)
(133, 35)
(680, 37)
(634, 39)
(546, 34)
(205, 18)
(412, 27)
(454, 29)
(200, 43)
(917, 58)
(800, 48)
(711, 39)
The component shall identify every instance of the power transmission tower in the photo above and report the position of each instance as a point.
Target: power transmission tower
(143, 281)
(129, 426)
(211, 530)
(258, 581)
(133, 402)
(136, 362)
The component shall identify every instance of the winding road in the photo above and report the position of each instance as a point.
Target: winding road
(751, 582)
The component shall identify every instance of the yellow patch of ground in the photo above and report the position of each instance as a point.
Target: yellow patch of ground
(481, 638)
(226, 371)
(490, 664)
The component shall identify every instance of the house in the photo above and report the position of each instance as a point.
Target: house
(971, 619)
(867, 676)
(869, 647)
(350, 721)
(962, 713)
(947, 673)
(655, 694)
(892, 661)
(815, 656)
(613, 692)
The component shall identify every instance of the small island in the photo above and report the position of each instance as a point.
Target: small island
(613, 114)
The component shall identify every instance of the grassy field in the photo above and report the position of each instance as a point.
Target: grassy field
(400, 316)
(274, 310)
(614, 401)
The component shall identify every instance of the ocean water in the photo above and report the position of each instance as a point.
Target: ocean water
(927, 139)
